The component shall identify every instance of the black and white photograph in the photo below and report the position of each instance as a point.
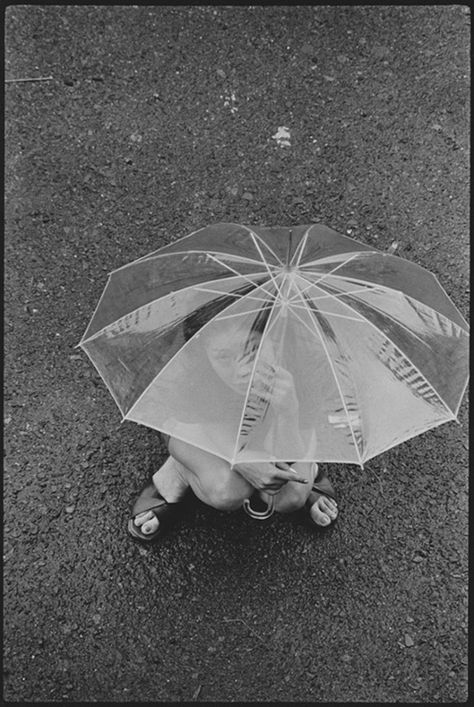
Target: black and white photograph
(236, 353)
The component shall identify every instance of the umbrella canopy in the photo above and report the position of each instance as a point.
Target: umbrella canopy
(259, 343)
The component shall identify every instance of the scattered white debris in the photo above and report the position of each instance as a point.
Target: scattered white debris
(392, 248)
(229, 102)
(282, 136)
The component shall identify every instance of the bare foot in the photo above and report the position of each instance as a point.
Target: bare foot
(147, 521)
(324, 510)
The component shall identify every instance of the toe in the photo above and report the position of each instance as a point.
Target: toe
(150, 526)
(324, 510)
(142, 518)
(318, 517)
(328, 506)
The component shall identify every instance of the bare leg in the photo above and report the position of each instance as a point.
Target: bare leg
(209, 476)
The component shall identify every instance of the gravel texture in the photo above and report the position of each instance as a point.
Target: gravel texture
(157, 121)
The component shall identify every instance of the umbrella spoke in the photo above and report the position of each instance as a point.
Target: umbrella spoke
(337, 258)
(317, 333)
(371, 306)
(203, 288)
(198, 288)
(245, 277)
(329, 314)
(168, 363)
(348, 260)
(385, 288)
(265, 263)
(217, 253)
(217, 292)
(246, 420)
(240, 314)
(371, 288)
(328, 295)
(256, 237)
(298, 254)
(400, 352)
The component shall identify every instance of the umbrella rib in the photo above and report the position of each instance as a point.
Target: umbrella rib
(414, 431)
(114, 397)
(328, 295)
(460, 400)
(387, 288)
(93, 314)
(329, 314)
(156, 253)
(265, 263)
(300, 248)
(348, 260)
(331, 365)
(254, 368)
(239, 314)
(240, 274)
(242, 259)
(335, 258)
(220, 253)
(168, 294)
(372, 306)
(415, 368)
(257, 237)
(186, 345)
(220, 292)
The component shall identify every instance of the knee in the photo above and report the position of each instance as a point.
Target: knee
(290, 503)
(177, 448)
(223, 497)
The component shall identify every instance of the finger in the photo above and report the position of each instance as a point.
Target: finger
(290, 476)
(275, 487)
(283, 465)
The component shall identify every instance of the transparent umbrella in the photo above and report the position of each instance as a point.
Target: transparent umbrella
(270, 343)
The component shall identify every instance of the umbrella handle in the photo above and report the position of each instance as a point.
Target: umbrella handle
(259, 515)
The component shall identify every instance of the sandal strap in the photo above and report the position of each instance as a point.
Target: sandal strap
(325, 488)
(322, 486)
(149, 504)
(151, 500)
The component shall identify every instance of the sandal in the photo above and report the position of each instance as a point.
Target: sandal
(321, 487)
(151, 500)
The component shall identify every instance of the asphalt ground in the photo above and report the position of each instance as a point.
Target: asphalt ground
(151, 122)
